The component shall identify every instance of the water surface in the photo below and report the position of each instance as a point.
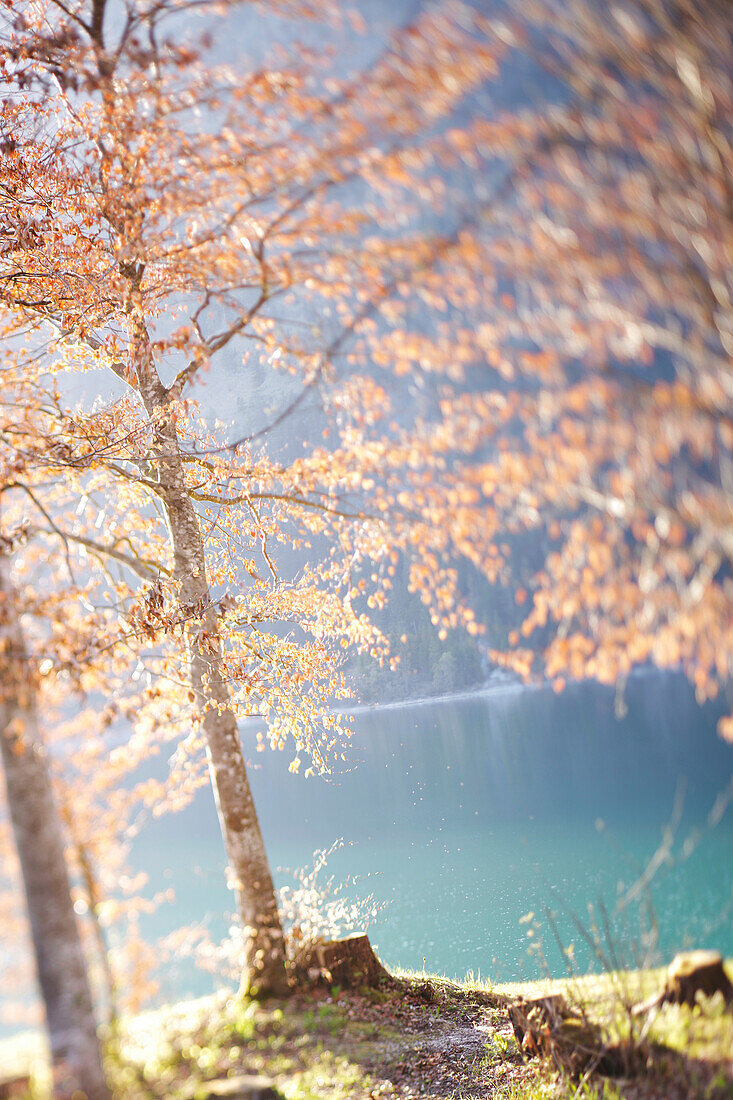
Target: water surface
(462, 816)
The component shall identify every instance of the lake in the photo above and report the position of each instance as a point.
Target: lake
(461, 816)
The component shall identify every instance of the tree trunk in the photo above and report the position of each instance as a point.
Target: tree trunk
(264, 972)
(264, 950)
(94, 894)
(36, 825)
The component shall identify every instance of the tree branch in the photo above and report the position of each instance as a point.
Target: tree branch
(145, 569)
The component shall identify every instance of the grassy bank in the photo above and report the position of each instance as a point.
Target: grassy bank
(420, 1036)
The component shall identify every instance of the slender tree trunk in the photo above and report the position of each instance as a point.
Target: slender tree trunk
(264, 961)
(36, 825)
(264, 971)
(96, 900)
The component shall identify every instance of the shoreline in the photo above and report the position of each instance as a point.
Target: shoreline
(488, 689)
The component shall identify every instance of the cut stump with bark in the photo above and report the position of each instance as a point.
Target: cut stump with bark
(533, 1020)
(688, 974)
(15, 1088)
(238, 1088)
(350, 963)
(548, 1027)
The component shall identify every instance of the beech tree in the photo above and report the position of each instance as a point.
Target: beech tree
(149, 218)
(512, 319)
(39, 841)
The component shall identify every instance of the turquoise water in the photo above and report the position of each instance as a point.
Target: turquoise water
(462, 816)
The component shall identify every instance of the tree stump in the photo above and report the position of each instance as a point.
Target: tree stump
(688, 974)
(349, 962)
(238, 1088)
(548, 1027)
(533, 1021)
(697, 972)
(13, 1088)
